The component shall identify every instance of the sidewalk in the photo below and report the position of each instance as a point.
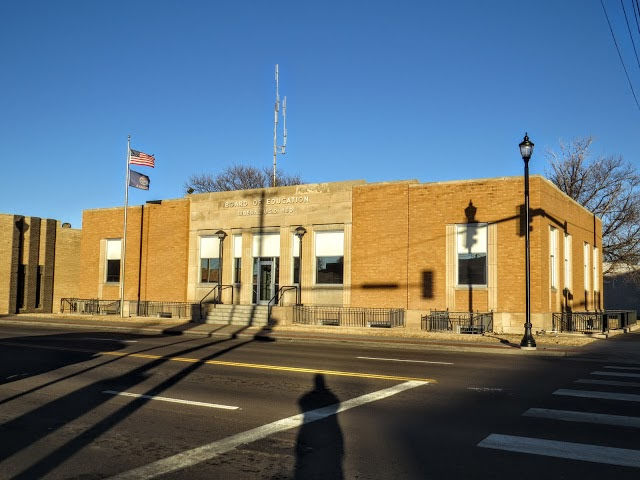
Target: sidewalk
(548, 345)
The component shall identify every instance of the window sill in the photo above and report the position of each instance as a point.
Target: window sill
(472, 287)
(335, 286)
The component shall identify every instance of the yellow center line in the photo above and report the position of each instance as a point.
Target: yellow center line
(271, 367)
(226, 364)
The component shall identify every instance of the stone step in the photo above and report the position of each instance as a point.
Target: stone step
(235, 308)
(237, 322)
(237, 318)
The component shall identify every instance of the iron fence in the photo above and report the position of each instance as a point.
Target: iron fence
(458, 322)
(348, 316)
(145, 308)
(149, 308)
(593, 322)
(89, 306)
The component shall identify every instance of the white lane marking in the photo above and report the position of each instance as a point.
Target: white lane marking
(173, 400)
(627, 397)
(585, 417)
(109, 340)
(622, 368)
(206, 452)
(574, 451)
(484, 389)
(402, 360)
(617, 374)
(614, 383)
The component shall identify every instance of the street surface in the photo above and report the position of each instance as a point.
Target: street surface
(93, 404)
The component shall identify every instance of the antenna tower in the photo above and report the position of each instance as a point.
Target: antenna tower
(276, 112)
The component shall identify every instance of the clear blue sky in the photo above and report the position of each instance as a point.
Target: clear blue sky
(377, 90)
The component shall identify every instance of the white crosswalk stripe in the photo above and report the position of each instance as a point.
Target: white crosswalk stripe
(613, 383)
(617, 374)
(553, 448)
(625, 397)
(599, 448)
(585, 417)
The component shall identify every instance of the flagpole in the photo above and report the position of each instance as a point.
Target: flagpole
(123, 253)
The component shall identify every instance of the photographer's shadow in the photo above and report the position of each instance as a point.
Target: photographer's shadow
(319, 446)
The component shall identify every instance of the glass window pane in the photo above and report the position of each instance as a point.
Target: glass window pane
(113, 271)
(296, 270)
(329, 270)
(472, 269)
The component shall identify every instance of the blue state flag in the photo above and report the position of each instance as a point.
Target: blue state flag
(138, 180)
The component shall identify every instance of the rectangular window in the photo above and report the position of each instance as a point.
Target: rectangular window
(596, 276)
(567, 261)
(553, 256)
(296, 259)
(329, 257)
(209, 261)
(472, 254)
(237, 258)
(39, 270)
(586, 255)
(114, 252)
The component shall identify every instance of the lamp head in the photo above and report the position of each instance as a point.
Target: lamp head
(526, 148)
(220, 234)
(300, 231)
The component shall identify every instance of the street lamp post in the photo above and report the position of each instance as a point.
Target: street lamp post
(527, 342)
(221, 235)
(300, 231)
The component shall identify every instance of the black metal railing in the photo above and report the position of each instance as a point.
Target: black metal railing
(218, 289)
(148, 308)
(458, 322)
(348, 316)
(277, 298)
(593, 322)
(89, 306)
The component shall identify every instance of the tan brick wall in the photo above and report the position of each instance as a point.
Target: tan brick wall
(568, 216)
(156, 256)
(379, 245)
(67, 266)
(8, 263)
(400, 232)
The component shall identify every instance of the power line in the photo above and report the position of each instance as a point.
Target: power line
(636, 13)
(629, 28)
(620, 55)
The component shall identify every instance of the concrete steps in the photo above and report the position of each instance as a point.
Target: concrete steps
(242, 315)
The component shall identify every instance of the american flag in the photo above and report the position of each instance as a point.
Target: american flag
(141, 158)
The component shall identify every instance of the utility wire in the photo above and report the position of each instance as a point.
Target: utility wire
(636, 13)
(629, 28)
(620, 55)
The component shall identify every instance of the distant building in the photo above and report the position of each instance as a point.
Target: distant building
(39, 264)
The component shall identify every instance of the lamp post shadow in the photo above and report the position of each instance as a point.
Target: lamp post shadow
(320, 445)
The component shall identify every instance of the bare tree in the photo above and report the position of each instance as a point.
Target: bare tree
(608, 186)
(238, 177)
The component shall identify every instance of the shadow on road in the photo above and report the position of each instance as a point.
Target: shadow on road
(48, 418)
(319, 446)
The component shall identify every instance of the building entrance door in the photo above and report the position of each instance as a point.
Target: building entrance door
(265, 279)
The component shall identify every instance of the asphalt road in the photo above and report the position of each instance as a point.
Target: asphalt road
(94, 404)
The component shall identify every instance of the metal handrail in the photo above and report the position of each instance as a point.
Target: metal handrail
(278, 296)
(221, 287)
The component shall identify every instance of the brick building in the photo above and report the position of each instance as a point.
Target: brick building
(39, 264)
(456, 246)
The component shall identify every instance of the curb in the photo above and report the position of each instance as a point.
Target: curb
(283, 336)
